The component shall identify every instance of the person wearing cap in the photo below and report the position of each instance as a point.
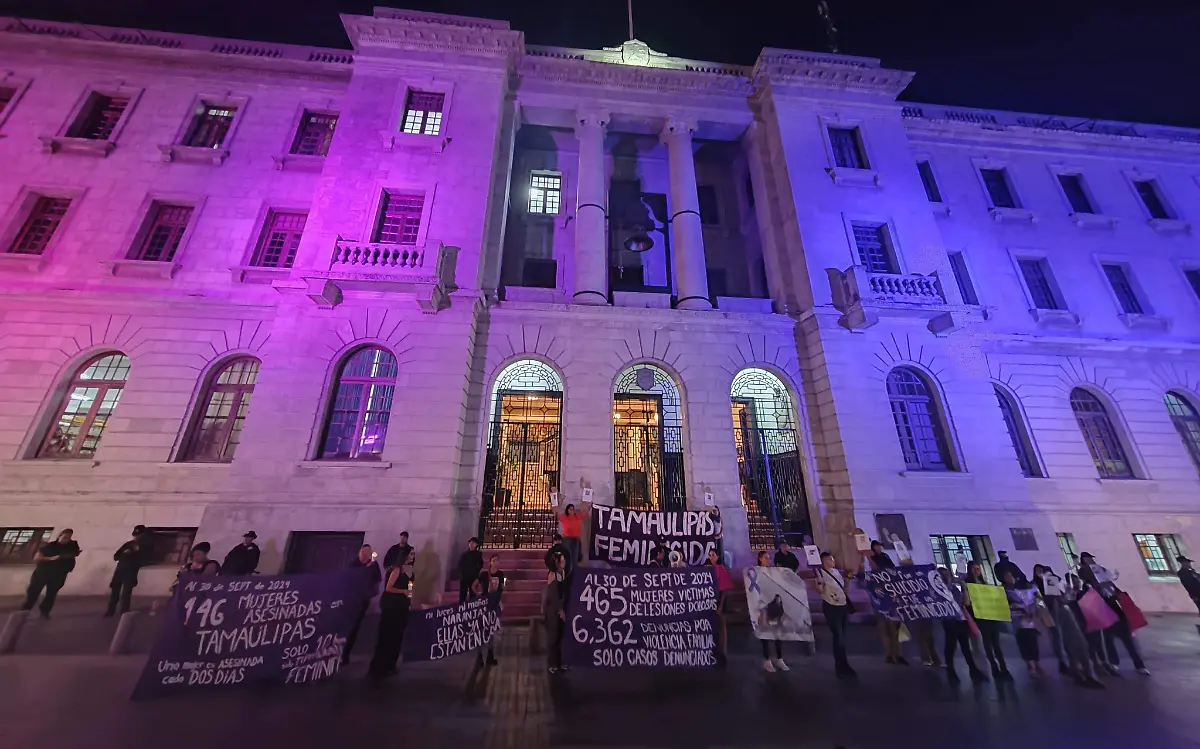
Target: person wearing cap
(129, 558)
(52, 563)
(243, 558)
(1190, 579)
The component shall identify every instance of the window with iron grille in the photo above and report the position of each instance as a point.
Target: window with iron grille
(1187, 422)
(998, 188)
(99, 117)
(210, 126)
(226, 401)
(362, 404)
(90, 399)
(1193, 278)
(1017, 433)
(1151, 196)
(39, 227)
(1036, 273)
(280, 240)
(545, 192)
(19, 545)
(846, 143)
(314, 134)
(163, 233)
(423, 113)
(927, 179)
(168, 546)
(1118, 279)
(954, 552)
(874, 247)
(962, 277)
(1100, 435)
(1159, 552)
(399, 218)
(918, 424)
(1070, 550)
(1072, 187)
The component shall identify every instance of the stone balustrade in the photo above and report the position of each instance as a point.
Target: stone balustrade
(351, 256)
(914, 289)
(864, 297)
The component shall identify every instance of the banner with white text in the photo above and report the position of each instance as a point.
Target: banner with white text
(627, 538)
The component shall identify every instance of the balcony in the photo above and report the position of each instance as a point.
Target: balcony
(863, 298)
(425, 272)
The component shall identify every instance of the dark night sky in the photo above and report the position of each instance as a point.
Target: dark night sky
(1129, 59)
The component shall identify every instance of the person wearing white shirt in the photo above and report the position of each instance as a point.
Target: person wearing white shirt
(835, 603)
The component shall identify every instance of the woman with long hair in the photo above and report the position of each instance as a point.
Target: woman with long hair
(554, 601)
(394, 605)
(724, 586)
(989, 631)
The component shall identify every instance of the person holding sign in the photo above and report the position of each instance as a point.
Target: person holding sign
(958, 633)
(394, 605)
(571, 523)
(784, 556)
(1023, 604)
(724, 585)
(987, 621)
(554, 602)
(1058, 597)
(835, 603)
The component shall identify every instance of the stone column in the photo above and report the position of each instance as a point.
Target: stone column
(687, 236)
(591, 211)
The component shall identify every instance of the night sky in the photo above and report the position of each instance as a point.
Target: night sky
(1133, 60)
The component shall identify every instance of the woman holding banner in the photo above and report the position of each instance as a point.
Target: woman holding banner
(958, 633)
(554, 601)
(724, 585)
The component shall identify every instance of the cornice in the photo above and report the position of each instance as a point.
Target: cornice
(785, 68)
(574, 71)
(418, 32)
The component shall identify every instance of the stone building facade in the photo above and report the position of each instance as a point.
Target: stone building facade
(442, 281)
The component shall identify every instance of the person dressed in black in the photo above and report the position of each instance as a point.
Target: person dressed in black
(52, 563)
(129, 558)
(372, 577)
(784, 556)
(1189, 578)
(554, 601)
(243, 558)
(470, 564)
(398, 552)
(958, 633)
(880, 557)
(1007, 565)
(394, 604)
(658, 557)
(556, 548)
(198, 565)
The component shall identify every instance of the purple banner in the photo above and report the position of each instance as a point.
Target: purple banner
(433, 634)
(643, 618)
(911, 593)
(223, 631)
(627, 538)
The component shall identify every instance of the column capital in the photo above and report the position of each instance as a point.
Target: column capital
(591, 117)
(678, 126)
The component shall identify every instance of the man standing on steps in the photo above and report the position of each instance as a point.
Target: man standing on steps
(54, 562)
(129, 558)
(243, 558)
(470, 564)
(398, 552)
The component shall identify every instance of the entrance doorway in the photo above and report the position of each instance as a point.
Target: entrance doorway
(523, 454)
(319, 551)
(647, 441)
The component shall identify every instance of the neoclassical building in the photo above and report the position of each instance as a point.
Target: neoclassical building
(445, 279)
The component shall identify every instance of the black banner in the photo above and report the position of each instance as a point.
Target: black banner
(441, 632)
(643, 618)
(627, 538)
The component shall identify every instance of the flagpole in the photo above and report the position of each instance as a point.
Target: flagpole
(629, 8)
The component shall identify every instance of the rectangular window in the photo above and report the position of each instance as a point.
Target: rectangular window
(280, 240)
(39, 228)
(314, 134)
(423, 113)
(1118, 279)
(1193, 278)
(1151, 196)
(163, 233)
(931, 188)
(99, 117)
(998, 188)
(210, 126)
(1023, 539)
(1159, 551)
(1070, 550)
(710, 212)
(958, 264)
(1036, 272)
(874, 247)
(18, 545)
(954, 552)
(168, 546)
(1072, 187)
(847, 148)
(545, 193)
(399, 218)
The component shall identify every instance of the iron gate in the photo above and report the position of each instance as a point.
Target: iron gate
(649, 467)
(772, 479)
(522, 467)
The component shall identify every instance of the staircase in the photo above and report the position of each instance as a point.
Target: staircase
(525, 576)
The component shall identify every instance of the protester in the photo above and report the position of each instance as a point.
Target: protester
(1005, 565)
(989, 631)
(365, 560)
(835, 603)
(199, 564)
(494, 586)
(554, 601)
(398, 552)
(52, 563)
(784, 557)
(724, 586)
(1022, 604)
(470, 564)
(571, 523)
(1058, 597)
(888, 629)
(1098, 578)
(243, 558)
(958, 633)
(1052, 629)
(556, 547)
(719, 533)
(129, 558)
(879, 558)
(922, 631)
(1189, 578)
(394, 604)
(658, 557)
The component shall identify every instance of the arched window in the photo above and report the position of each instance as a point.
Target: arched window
(91, 398)
(648, 440)
(226, 400)
(1100, 435)
(362, 402)
(922, 436)
(1187, 423)
(1017, 433)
